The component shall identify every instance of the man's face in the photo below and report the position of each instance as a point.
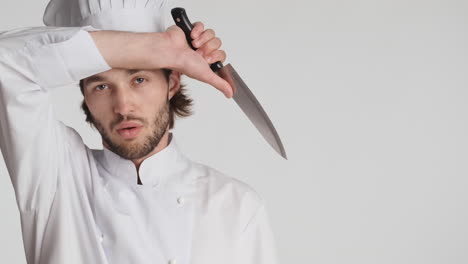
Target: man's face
(130, 109)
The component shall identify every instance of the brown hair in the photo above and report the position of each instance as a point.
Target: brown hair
(179, 105)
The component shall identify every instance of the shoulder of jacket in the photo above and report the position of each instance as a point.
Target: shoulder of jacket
(216, 181)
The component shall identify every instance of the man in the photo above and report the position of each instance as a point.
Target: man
(139, 200)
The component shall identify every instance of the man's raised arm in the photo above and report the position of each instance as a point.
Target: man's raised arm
(34, 144)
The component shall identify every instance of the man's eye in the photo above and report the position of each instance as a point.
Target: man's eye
(101, 87)
(140, 80)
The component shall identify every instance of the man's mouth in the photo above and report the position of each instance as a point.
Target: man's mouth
(129, 132)
(129, 129)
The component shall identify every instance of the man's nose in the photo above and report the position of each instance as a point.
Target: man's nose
(123, 101)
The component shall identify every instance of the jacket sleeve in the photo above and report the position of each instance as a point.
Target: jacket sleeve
(257, 241)
(32, 140)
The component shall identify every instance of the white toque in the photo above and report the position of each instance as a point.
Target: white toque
(123, 15)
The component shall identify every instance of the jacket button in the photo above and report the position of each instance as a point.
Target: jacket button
(101, 238)
(180, 200)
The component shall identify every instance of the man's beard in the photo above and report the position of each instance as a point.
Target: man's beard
(134, 150)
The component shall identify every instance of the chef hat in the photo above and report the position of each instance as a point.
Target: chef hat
(123, 15)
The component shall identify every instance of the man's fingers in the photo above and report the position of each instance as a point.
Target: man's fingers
(222, 85)
(209, 47)
(206, 36)
(198, 28)
(217, 55)
(206, 75)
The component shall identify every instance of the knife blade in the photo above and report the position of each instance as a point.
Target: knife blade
(243, 96)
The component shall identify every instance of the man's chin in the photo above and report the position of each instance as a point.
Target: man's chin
(132, 148)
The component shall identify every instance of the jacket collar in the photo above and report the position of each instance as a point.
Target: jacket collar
(154, 170)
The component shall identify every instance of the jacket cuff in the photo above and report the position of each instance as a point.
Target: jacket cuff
(69, 61)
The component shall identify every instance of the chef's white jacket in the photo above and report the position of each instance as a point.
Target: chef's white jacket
(83, 206)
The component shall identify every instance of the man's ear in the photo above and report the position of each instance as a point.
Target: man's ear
(174, 83)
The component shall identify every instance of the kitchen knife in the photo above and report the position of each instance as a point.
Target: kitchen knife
(243, 96)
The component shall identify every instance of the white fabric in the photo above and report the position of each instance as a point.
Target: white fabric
(124, 15)
(79, 205)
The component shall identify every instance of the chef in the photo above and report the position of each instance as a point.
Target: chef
(140, 199)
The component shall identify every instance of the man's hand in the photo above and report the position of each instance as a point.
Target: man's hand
(196, 64)
(129, 50)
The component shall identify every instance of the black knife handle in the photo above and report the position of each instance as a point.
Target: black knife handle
(182, 21)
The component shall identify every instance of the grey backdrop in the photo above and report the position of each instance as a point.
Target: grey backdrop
(370, 98)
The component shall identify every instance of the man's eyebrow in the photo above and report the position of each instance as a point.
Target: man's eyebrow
(131, 72)
(99, 78)
(94, 78)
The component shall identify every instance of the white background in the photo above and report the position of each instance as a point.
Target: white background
(371, 101)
